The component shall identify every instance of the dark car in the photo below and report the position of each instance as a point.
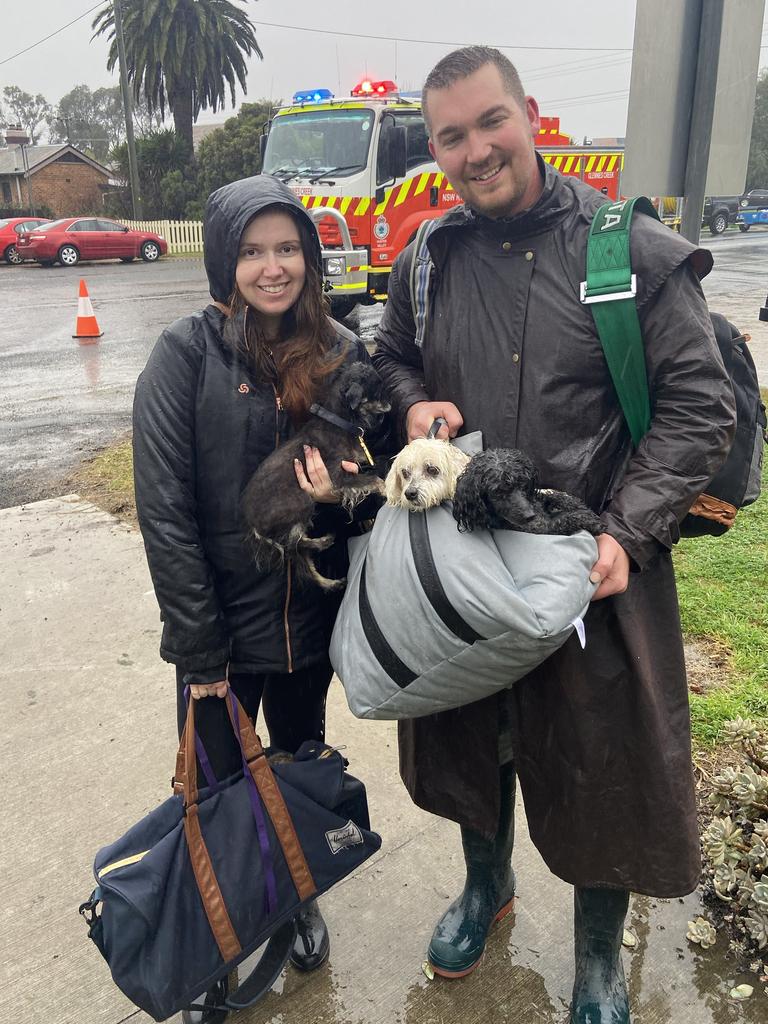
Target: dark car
(10, 230)
(755, 199)
(71, 239)
(719, 212)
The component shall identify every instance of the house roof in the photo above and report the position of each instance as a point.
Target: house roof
(200, 131)
(11, 159)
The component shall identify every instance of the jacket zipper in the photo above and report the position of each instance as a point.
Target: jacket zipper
(286, 626)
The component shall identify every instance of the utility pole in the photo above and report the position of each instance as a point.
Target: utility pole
(700, 140)
(128, 108)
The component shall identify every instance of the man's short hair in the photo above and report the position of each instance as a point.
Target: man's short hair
(464, 62)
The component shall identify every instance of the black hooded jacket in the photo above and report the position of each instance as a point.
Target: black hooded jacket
(202, 424)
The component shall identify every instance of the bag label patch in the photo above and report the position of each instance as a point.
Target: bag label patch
(341, 838)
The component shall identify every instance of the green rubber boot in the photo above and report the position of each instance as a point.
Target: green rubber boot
(458, 940)
(600, 991)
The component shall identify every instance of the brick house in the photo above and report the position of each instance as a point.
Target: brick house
(63, 179)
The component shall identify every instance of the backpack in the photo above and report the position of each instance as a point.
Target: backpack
(610, 290)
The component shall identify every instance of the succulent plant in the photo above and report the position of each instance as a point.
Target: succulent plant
(701, 932)
(750, 789)
(720, 841)
(757, 926)
(725, 877)
(741, 729)
(757, 855)
(735, 844)
(760, 894)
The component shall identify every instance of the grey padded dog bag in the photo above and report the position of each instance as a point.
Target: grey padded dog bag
(433, 618)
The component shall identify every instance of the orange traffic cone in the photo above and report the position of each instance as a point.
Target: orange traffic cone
(86, 325)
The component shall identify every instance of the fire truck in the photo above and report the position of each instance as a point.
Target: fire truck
(361, 166)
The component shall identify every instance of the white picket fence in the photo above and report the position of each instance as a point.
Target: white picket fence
(181, 235)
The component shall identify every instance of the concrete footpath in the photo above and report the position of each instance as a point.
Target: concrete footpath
(88, 744)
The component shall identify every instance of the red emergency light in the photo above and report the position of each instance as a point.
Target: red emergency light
(369, 88)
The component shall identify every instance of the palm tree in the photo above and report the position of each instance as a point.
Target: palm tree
(181, 54)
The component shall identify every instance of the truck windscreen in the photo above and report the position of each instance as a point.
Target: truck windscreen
(313, 142)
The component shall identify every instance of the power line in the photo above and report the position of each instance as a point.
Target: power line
(586, 96)
(565, 69)
(435, 42)
(46, 38)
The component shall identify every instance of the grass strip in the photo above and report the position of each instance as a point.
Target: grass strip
(722, 584)
(106, 479)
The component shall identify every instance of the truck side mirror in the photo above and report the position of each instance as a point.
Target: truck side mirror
(262, 147)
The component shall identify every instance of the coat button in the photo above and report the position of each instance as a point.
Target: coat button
(529, 255)
(515, 357)
(506, 246)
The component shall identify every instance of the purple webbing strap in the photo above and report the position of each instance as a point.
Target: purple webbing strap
(261, 823)
(202, 757)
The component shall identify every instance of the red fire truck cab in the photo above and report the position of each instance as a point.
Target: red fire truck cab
(361, 166)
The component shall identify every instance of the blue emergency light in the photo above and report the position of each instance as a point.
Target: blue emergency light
(313, 96)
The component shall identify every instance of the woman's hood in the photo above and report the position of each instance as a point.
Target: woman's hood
(228, 211)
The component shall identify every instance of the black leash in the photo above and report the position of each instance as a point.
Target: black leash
(350, 428)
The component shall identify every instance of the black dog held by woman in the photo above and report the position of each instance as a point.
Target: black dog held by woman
(277, 511)
(499, 491)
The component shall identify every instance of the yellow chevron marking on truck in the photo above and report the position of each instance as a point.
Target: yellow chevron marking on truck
(589, 165)
(359, 206)
(405, 188)
(423, 180)
(381, 207)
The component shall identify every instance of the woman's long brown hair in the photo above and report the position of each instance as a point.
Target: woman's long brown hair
(301, 359)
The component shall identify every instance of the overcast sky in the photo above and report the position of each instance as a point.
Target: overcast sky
(571, 56)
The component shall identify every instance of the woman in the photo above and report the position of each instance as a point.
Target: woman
(222, 388)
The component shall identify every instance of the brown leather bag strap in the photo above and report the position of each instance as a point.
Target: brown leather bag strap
(187, 745)
(180, 775)
(208, 886)
(272, 798)
(202, 866)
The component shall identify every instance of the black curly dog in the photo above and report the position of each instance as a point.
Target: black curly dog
(499, 491)
(277, 511)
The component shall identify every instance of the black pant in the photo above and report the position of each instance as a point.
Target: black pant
(294, 710)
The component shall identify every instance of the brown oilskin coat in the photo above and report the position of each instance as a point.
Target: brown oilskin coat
(601, 736)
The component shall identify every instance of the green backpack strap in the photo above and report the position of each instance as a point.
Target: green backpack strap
(610, 289)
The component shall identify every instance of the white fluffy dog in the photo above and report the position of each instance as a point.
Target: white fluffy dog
(424, 474)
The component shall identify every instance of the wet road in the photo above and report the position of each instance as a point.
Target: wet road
(59, 400)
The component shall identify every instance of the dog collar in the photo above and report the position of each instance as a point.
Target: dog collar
(351, 428)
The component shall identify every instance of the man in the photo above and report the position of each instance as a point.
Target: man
(599, 738)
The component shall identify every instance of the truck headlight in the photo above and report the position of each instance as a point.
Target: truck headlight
(335, 265)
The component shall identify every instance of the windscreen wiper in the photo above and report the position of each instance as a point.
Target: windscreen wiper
(289, 172)
(324, 176)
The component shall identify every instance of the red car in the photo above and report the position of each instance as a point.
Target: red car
(73, 239)
(9, 236)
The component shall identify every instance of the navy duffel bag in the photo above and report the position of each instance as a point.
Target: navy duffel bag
(212, 874)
